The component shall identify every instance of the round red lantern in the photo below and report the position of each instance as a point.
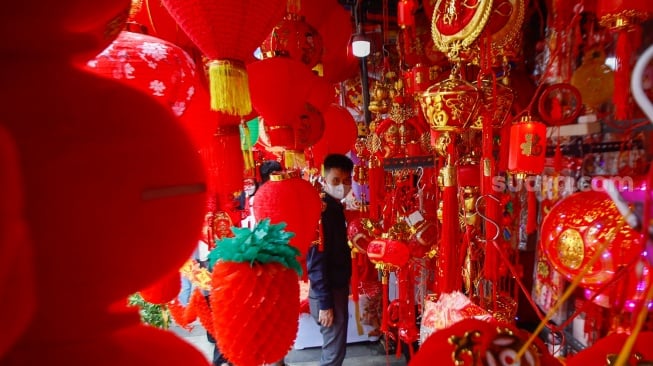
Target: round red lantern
(527, 149)
(290, 199)
(152, 65)
(340, 133)
(294, 38)
(279, 87)
(227, 32)
(577, 227)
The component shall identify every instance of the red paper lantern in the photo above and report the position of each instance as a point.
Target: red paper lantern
(405, 13)
(294, 201)
(279, 87)
(152, 65)
(338, 61)
(577, 226)
(527, 147)
(294, 38)
(227, 32)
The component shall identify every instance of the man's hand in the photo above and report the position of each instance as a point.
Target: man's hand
(325, 317)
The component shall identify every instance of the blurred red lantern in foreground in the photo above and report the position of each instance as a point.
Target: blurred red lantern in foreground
(164, 290)
(577, 227)
(152, 65)
(290, 199)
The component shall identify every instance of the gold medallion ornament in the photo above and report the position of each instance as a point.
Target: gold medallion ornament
(456, 24)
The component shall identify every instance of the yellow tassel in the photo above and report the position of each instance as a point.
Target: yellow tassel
(294, 159)
(229, 88)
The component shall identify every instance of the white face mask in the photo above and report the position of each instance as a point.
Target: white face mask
(338, 191)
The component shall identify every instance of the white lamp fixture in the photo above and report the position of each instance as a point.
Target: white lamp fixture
(360, 45)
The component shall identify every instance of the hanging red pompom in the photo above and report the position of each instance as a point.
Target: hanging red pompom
(294, 201)
(157, 67)
(580, 224)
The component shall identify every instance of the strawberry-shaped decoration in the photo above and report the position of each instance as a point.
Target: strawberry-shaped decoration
(255, 294)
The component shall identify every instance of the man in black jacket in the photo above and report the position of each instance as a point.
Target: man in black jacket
(329, 264)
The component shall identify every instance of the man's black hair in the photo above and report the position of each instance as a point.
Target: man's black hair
(338, 161)
(268, 167)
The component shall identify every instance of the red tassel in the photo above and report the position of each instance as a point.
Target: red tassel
(355, 279)
(623, 56)
(448, 273)
(376, 176)
(531, 220)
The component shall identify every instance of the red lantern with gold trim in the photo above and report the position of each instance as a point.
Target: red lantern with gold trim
(227, 32)
(290, 199)
(527, 147)
(579, 226)
(294, 38)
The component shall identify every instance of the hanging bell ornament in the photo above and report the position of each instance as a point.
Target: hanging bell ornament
(450, 104)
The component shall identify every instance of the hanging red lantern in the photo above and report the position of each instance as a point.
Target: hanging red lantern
(294, 38)
(577, 226)
(406, 13)
(279, 87)
(527, 147)
(227, 32)
(152, 65)
(290, 199)
(340, 133)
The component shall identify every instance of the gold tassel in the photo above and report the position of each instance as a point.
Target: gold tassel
(294, 159)
(229, 88)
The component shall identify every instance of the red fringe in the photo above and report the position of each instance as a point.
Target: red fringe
(531, 210)
(376, 186)
(201, 305)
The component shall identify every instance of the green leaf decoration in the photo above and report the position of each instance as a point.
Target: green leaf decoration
(265, 243)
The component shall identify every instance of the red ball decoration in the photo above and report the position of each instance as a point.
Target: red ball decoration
(152, 65)
(527, 149)
(294, 38)
(577, 226)
(292, 200)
